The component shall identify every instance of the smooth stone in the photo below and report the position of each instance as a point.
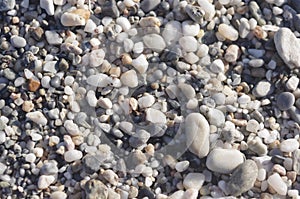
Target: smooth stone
(91, 98)
(49, 168)
(72, 128)
(49, 66)
(285, 101)
(130, 79)
(190, 28)
(76, 17)
(105, 103)
(216, 117)
(252, 126)
(58, 195)
(232, 53)
(287, 46)
(17, 41)
(182, 166)
(110, 9)
(6, 5)
(53, 37)
(262, 89)
(48, 5)
(155, 116)
(292, 83)
(256, 63)
(99, 80)
(197, 134)
(243, 178)
(217, 66)
(3, 167)
(296, 161)
(187, 90)
(90, 26)
(148, 5)
(277, 183)
(257, 146)
(111, 177)
(45, 181)
(140, 64)
(124, 23)
(188, 43)
(193, 181)
(146, 101)
(217, 160)
(172, 32)
(72, 155)
(139, 138)
(37, 117)
(208, 8)
(2, 137)
(155, 42)
(228, 32)
(289, 145)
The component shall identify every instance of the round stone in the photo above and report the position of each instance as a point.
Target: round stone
(17, 41)
(216, 160)
(289, 145)
(72, 155)
(285, 101)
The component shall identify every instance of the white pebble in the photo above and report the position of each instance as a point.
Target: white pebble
(37, 117)
(188, 43)
(48, 6)
(45, 181)
(155, 116)
(193, 181)
(140, 63)
(277, 183)
(289, 145)
(72, 155)
(130, 79)
(228, 32)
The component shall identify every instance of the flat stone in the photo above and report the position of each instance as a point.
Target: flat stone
(193, 181)
(37, 117)
(228, 32)
(155, 42)
(217, 160)
(277, 183)
(289, 145)
(287, 46)
(17, 41)
(285, 101)
(155, 116)
(243, 178)
(197, 134)
(53, 37)
(72, 155)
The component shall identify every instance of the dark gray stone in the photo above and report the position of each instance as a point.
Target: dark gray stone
(285, 101)
(243, 178)
(148, 5)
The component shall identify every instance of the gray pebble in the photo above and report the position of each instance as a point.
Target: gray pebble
(243, 178)
(55, 82)
(148, 5)
(17, 41)
(6, 5)
(49, 168)
(285, 100)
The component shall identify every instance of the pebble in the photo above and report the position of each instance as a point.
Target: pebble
(105, 103)
(285, 101)
(216, 117)
(140, 64)
(72, 155)
(188, 43)
(208, 8)
(197, 134)
(124, 23)
(190, 28)
(130, 79)
(155, 42)
(6, 5)
(289, 145)
(155, 116)
(95, 189)
(53, 37)
(17, 41)
(262, 89)
(111, 177)
(146, 101)
(37, 117)
(217, 66)
(49, 168)
(3, 167)
(283, 39)
(76, 17)
(256, 145)
(110, 9)
(277, 183)
(252, 126)
(228, 32)
(45, 181)
(193, 181)
(292, 83)
(232, 53)
(148, 5)
(243, 178)
(182, 166)
(216, 160)
(172, 32)
(196, 13)
(58, 195)
(48, 5)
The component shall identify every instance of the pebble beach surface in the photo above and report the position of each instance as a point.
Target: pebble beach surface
(156, 99)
